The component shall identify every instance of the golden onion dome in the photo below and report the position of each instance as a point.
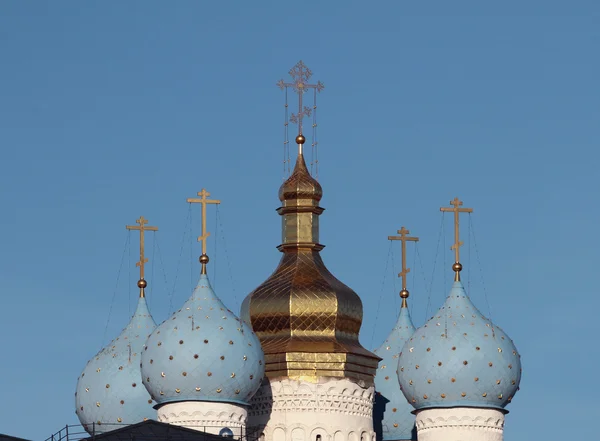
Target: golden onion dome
(306, 319)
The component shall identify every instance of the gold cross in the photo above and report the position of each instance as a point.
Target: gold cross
(456, 203)
(403, 238)
(141, 228)
(204, 201)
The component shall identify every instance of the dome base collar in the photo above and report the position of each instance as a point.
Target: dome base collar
(205, 416)
(460, 424)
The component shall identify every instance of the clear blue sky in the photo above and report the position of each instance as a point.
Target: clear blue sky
(112, 110)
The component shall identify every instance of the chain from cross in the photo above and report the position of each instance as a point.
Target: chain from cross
(456, 209)
(300, 75)
(204, 201)
(403, 238)
(143, 260)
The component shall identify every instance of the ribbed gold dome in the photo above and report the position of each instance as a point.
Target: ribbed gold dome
(300, 185)
(306, 319)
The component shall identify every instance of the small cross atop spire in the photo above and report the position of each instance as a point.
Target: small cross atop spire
(456, 208)
(143, 260)
(300, 75)
(204, 201)
(403, 238)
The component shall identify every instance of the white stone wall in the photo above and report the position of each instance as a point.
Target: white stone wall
(209, 417)
(334, 409)
(460, 424)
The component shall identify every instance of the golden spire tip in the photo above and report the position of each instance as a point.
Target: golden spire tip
(203, 201)
(404, 295)
(403, 238)
(457, 268)
(203, 261)
(456, 209)
(300, 140)
(143, 260)
(142, 284)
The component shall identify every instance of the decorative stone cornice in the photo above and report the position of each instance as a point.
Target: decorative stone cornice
(333, 409)
(479, 422)
(460, 424)
(206, 416)
(339, 397)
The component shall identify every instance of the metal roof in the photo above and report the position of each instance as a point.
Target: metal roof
(149, 430)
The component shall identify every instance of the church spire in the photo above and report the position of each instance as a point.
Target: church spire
(403, 238)
(307, 320)
(456, 209)
(392, 417)
(300, 195)
(203, 201)
(107, 398)
(203, 364)
(142, 284)
(300, 75)
(483, 366)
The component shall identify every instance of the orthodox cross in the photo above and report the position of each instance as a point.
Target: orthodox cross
(300, 75)
(456, 208)
(143, 260)
(204, 201)
(403, 238)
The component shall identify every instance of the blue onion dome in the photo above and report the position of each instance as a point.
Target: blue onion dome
(459, 358)
(392, 413)
(203, 353)
(110, 391)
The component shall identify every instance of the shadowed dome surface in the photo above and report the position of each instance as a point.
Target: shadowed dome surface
(459, 358)
(110, 388)
(398, 422)
(203, 353)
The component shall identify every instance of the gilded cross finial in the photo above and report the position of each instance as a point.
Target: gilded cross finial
(456, 209)
(300, 75)
(403, 238)
(204, 201)
(143, 260)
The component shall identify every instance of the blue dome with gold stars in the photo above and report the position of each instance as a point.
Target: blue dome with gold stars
(203, 353)
(459, 358)
(392, 413)
(110, 392)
